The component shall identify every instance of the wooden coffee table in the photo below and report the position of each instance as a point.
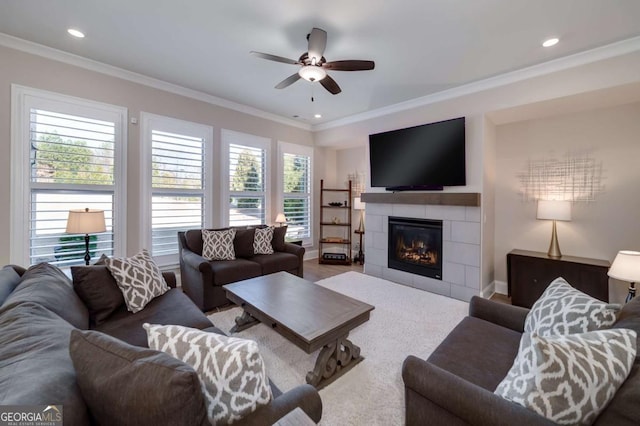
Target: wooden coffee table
(307, 314)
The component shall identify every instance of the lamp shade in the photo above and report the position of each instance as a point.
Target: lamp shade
(626, 266)
(554, 210)
(312, 73)
(85, 221)
(358, 204)
(280, 218)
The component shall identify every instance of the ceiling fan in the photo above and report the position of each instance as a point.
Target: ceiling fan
(314, 66)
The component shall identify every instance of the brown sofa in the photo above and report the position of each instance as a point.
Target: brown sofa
(202, 279)
(455, 385)
(38, 311)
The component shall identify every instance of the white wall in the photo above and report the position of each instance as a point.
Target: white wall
(488, 208)
(40, 73)
(556, 81)
(598, 229)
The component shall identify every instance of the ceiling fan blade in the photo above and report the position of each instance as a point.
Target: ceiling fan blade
(288, 81)
(274, 58)
(331, 85)
(317, 43)
(352, 65)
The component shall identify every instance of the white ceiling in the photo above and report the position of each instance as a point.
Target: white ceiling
(420, 46)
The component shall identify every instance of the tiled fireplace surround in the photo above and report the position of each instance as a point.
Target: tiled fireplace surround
(461, 231)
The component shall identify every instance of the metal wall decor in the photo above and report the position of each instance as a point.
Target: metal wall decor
(357, 183)
(573, 177)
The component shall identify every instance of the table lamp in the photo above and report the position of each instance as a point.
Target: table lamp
(626, 267)
(86, 222)
(281, 219)
(554, 210)
(359, 205)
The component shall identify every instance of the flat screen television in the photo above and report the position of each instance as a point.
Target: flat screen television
(426, 157)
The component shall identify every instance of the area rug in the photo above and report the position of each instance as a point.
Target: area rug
(406, 321)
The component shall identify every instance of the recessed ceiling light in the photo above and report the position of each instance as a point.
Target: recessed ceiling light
(318, 115)
(550, 42)
(75, 33)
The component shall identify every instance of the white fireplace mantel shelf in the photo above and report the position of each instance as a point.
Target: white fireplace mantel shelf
(435, 198)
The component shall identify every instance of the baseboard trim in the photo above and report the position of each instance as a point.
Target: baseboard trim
(310, 254)
(501, 287)
(489, 290)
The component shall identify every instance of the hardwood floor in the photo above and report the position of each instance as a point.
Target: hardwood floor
(313, 271)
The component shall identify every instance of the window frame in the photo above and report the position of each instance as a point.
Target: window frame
(148, 123)
(303, 150)
(229, 137)
(24, 98)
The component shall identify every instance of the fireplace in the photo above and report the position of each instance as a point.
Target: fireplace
(415, 246)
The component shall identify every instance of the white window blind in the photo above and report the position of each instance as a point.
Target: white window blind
(246, 185)
(296, 177)
(71, 166)
(177, 181)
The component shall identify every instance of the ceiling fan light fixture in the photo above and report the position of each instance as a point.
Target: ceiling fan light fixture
(312, 73)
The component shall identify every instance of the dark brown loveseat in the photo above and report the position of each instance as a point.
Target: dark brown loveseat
(202, 279)
(39, 309)
(455, 385)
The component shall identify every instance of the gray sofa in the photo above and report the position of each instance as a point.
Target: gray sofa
(455, 385)
(39, 309)
(202, 279)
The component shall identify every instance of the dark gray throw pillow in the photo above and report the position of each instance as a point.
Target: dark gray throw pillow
(278, 238)
(48, 286)
(98, 290)
(9, 280)
(128, 385)
(243, 242)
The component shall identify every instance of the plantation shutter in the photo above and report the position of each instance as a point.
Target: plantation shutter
(177, 180)
(297, 195)
(71, 167)
(246, 185)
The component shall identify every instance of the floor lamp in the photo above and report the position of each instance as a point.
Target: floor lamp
(86, 222)
(626, 267)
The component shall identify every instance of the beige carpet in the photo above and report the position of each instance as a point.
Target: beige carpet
(405, 321)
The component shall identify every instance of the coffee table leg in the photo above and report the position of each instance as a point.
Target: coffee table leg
(243, 322)
(333, 361)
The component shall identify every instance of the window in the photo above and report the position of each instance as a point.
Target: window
(295, 188)
(176, 154)
(246, 171)
(66, 154)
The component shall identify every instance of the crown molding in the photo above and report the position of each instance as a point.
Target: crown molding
(582, 58)
(100, 67)
(577, 59)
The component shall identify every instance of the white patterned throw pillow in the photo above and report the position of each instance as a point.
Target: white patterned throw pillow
(569, 379)
(232, 373)
(262, 240)
(138, 278)
(563, 309)
(218, 245)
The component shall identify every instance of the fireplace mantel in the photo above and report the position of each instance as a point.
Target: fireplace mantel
(435, 198)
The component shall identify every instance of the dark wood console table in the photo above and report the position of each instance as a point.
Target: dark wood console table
(530, 272)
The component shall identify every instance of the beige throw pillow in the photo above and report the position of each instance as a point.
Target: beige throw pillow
(218, 245)
(563, 309)
(262, 240)
(569, 379)
(232, 373)
(138, 278)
